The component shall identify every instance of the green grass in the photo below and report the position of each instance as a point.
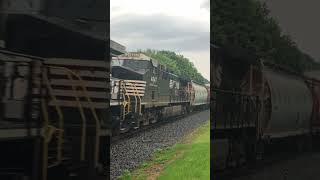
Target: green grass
(188, 160)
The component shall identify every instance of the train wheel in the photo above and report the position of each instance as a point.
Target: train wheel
(145, 118)
(260, 152)
(300, 143)
(309, 146)
(125, 126)
(251, 148)
(304, 143)
(154, 118)
(136, 121)
(58, 172)
(229, 159)
(184, 110)
(236, 154)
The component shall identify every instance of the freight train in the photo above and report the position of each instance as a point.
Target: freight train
(54, 66)
(55, 90)
(144, 91)
(256, 103)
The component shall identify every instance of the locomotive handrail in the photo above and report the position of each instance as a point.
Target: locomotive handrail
(61, 119)
(84, 123)
(128, 89)
(126, 103)
(135, 97)
(138, 97)
(45, 142)
(97, 121)
(229, 119)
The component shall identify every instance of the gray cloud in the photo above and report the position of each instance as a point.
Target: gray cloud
(299, 19)
(161, 32)
(115, 8)
(206, 5)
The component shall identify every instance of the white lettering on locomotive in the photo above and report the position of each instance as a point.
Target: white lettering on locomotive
(154, 80)
(174, 84)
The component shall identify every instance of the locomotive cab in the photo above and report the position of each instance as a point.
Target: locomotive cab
(129, 68)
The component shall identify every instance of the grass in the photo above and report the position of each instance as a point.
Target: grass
(187, 160)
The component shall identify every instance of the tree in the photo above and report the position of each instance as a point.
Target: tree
(246, 24)
(177, 64)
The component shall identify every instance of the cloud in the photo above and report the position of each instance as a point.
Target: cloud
(163, 32)
(206, 5)
(115, 8)
(160, 31)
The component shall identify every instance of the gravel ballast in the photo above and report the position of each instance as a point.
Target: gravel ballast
(129, 153)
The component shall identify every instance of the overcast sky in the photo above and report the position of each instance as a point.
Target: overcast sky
(299, 19)
(182, 26)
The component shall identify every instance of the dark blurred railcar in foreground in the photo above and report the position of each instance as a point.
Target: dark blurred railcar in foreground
(54, 90)
(144, 92)
(55, 28)
(54, 120)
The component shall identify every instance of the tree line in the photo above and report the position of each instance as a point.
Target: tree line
(246, 24)
(176, 64)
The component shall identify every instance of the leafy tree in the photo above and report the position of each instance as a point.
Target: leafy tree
(177, 64)
(246, 24)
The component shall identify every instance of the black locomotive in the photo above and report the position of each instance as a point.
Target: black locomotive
(144, 92)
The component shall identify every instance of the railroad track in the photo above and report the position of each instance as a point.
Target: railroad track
(157, 124)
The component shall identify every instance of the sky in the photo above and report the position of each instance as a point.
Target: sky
(298, 19)
(182, 26)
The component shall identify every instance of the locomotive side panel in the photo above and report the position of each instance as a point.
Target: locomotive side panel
(156, 92)
(163, 88)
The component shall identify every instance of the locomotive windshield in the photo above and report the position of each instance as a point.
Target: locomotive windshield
(133, 64)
